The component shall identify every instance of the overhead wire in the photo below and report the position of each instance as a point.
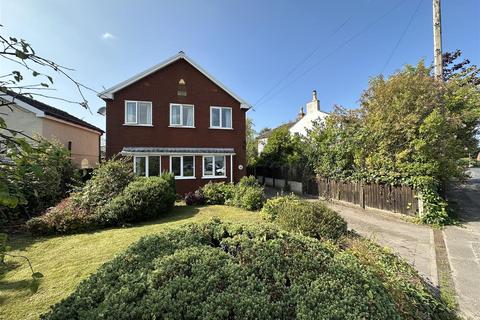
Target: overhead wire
(328, 55)
(412, 17)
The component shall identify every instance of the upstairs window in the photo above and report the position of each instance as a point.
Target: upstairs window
(221, 117)
(182, 115)
(138, 113)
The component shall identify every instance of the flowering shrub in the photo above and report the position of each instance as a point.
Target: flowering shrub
(112, 197)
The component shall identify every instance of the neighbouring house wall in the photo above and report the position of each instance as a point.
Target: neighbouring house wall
(161, 89)
(262, 142)
(306, 123)
(22, 120)
(85, 143)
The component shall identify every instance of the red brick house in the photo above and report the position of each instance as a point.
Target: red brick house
(176, 117)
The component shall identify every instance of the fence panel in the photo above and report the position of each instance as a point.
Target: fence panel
(400, 199)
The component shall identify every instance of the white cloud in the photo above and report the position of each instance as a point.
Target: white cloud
(108, 36)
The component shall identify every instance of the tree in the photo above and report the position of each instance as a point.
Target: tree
(282, 148)
(13, 84)
(410, 129)
(251, 142)
(330, 147)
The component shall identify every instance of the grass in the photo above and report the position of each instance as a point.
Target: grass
(66, 260)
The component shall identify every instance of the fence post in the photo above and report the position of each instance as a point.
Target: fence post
(362, 195)
(420, 204)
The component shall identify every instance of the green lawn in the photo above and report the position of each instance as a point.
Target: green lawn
(66, 260)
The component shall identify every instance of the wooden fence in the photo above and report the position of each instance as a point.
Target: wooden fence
(400, 199)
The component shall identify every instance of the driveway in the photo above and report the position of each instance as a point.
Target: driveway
(411, 241)
(463, 245)
(456, 249)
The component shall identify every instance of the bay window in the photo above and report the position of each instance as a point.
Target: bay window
(214, 167)
(221, 117)
(138, 113)
(182, 115)
(182, 166)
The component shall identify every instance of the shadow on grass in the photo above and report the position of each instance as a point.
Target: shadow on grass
(21, 242)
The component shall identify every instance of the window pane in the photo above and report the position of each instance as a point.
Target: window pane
(175, 114)
(188, 166)
(226, 118)
(140, 166)
(215, 121)
(208, 166)
(131, 112)
(176, 166)
(188, 116)
(219, 166)
(153, 166)
(144, 113)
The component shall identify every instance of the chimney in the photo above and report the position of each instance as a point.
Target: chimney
(314, 105)
(301, 114)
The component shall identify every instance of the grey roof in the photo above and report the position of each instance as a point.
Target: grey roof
(170, 150)
(54, 112)
(267, 134)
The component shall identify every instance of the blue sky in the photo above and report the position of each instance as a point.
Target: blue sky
(248, 45)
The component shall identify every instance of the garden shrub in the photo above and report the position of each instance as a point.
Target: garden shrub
(224, 271)
(217, 193)
(108, 180)
(40, 176)
(64, 218)
(142, 199)
(273, 206)
(312, 219)
(410, 292)
(248, 194)
(195, 198)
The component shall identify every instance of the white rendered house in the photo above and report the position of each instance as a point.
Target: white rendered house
(302, 124)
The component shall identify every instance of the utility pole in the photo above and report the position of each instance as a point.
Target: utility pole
(437, 40)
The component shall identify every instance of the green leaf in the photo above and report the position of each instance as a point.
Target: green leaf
(37, 275)
(35, 73)
(43, 84)
(13, 39)
(51, 79)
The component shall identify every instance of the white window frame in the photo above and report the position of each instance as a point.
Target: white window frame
(126, 123)
(147, 161)
(181, 176)
(221, 124)
(213, 176)
(181, 115)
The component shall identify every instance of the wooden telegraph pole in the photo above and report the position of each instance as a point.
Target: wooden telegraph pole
(437, 40)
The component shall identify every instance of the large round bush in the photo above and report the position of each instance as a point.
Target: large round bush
(144, 198)
(108, 180)
(309, 218)
(223, 271)
(248, 194)
(217, 193)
